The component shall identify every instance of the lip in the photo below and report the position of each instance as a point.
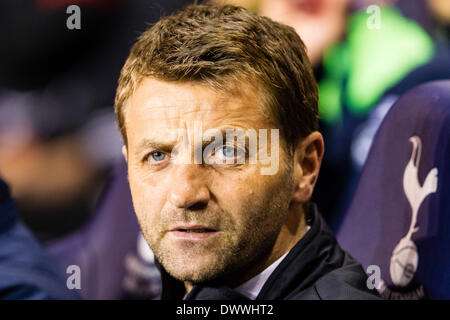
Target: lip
(309, 6)
(179, 233)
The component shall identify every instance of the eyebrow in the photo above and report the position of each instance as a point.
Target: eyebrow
(146, 144)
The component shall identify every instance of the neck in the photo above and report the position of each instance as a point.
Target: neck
(292, 230)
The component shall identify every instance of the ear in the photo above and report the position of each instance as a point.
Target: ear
(307, 160)
(125, 153)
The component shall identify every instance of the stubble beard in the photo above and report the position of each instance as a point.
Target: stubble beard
(238, 250)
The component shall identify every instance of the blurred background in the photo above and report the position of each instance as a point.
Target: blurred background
(58, 137)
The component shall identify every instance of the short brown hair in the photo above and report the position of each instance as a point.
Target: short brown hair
(218, 44)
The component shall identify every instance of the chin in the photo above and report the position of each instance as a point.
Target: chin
(194, 271)
(193, 275)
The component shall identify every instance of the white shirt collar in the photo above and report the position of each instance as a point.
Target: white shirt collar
(252, 287)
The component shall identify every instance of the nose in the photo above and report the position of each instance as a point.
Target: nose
(189, 189)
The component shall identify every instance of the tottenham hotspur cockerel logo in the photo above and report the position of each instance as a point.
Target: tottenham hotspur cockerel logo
(404, 260)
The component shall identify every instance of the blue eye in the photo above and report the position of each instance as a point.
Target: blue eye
(228, 151)
(225, 154)
(157, 156)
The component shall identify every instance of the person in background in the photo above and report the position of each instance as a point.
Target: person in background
(437, 21)
(26, 271)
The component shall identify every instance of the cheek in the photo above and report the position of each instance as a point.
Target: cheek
(148, 196)
(244, 195)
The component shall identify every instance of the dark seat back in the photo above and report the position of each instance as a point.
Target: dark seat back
(399, 219)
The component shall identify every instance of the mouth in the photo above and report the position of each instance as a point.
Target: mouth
(193, 232)
(308, 6)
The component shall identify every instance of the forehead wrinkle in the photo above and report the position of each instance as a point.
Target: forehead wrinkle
(213, 108)
(239, 115)
(203, 102)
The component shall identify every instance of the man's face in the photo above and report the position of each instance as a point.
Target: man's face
(202, 221)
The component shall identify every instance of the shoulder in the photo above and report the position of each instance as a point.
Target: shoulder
(348, 282)
(26, 271)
